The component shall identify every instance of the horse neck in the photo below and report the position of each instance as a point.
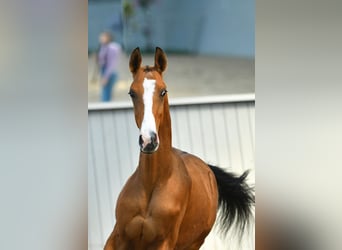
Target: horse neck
(165, 133)
(155, 166)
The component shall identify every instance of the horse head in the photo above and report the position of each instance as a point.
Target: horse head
(148, 93)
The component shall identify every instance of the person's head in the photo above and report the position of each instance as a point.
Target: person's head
(105, 38)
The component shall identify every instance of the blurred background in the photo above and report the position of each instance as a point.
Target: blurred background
(210, 44)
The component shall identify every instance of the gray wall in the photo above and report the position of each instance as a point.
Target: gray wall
(113, 151)
(101, 16)
(218, 27)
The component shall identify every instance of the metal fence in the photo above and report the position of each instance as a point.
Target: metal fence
(219, 129)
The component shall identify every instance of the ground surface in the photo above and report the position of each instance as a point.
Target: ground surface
(186, 75)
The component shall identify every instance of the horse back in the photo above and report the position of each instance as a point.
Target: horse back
(200, 173)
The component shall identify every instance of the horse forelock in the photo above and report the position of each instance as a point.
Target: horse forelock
(148, 68)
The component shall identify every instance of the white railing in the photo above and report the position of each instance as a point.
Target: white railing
(218, 129)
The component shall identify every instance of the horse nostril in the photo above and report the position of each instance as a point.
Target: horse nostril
(141, 142)
(153, 137)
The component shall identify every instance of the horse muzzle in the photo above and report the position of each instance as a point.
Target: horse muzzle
(149, 145)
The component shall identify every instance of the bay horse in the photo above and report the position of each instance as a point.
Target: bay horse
(171, 200)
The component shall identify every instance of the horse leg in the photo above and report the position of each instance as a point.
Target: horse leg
(196, 245)
(165, 245)
(111, 243)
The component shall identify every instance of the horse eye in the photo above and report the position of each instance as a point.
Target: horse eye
(163, 92)
(132, 94)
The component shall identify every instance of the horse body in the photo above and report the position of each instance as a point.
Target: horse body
(160, 216)
(171, 200)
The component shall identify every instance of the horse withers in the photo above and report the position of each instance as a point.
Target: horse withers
(171, 200)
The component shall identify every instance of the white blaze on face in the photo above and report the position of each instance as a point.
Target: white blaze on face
(148, 124)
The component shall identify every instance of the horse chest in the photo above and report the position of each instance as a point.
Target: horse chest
(149, 218)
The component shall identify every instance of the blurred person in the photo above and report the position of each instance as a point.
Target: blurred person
(108, 61)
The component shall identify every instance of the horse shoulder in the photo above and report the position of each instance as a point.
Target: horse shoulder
(172, 193)
(131, 199)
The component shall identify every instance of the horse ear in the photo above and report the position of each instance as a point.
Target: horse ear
(135, 60)
(160, 61)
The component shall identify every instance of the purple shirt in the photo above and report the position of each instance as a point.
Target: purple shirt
(109, 55)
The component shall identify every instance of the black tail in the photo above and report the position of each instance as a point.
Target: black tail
(236, 199)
